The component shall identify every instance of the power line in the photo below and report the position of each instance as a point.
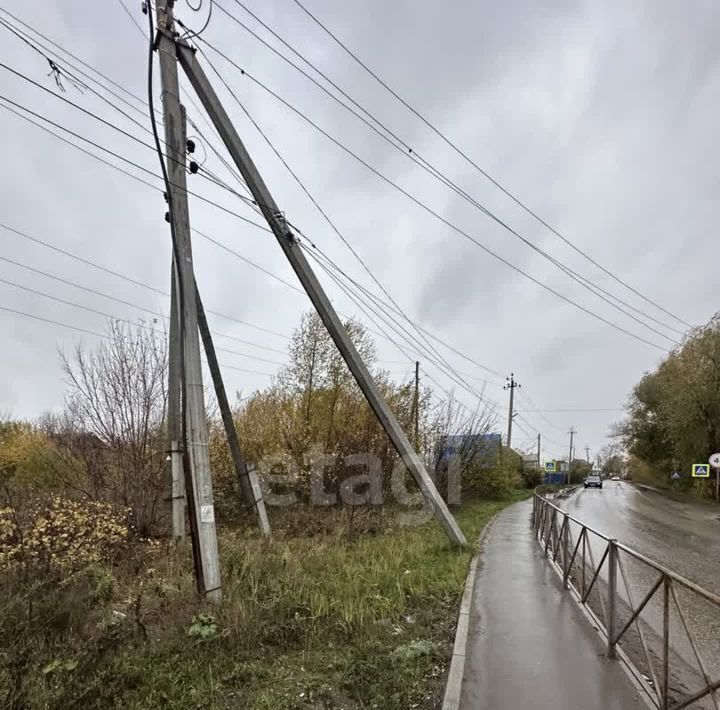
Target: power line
(325, 216)
(464, 155)
(125, 133)
(432, 212)
(526, 396)
(115, 155)
(53, 322)
(600, 409)
(105, 336)
(235, 252)
(190, 192)
(129, 279)
(365, 307)
(422, 348)
(35, 43)
(126, 303)
(89, 309)
(149, 185)
(405, 149)
(132, 19)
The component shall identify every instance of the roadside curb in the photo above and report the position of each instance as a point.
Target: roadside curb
(453, 687)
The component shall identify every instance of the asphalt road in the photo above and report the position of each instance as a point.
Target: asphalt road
(681, 536)
(684, 537)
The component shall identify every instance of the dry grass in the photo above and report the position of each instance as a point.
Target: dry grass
(326, 615)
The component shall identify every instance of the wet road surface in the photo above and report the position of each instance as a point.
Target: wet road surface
(529, 645)
(684, 537)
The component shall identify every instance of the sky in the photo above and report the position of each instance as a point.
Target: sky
(599, 117)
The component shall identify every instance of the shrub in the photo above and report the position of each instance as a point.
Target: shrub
(62, 536)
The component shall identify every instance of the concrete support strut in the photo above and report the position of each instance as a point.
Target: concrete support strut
(310, 283)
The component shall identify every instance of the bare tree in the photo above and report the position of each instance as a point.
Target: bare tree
(114, 419)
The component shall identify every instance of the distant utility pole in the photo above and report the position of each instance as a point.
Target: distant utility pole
(292, 249)
(511, 385)
(572, 433)
(538, 453)
(587, 454)
(201, 506)
(416, 405)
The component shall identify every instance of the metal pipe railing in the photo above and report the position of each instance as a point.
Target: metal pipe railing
(573, 564)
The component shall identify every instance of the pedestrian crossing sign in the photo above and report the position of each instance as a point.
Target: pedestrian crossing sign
(550, 466)
(701, 470)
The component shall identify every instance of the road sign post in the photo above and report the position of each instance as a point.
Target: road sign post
(714, 461)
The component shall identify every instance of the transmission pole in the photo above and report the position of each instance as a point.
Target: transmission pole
(196, 438)
(538, 453)
(587, 454)
(572, 433)
(292, 249)
(416, 405)
(511, 385)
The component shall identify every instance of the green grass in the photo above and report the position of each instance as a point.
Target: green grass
(326, 615)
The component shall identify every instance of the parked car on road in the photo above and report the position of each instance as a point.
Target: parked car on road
(615, 478)
(593, 482)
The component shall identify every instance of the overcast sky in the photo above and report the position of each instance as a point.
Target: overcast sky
(602, 117)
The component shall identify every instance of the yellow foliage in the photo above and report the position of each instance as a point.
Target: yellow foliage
(62, 535)
(18, 443)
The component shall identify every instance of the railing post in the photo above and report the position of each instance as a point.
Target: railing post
(534, 511)
(566, 548)
(666, 643)
(584, 542)
(549, 531)
(612, 596)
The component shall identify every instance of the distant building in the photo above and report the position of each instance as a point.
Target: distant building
(478, 447)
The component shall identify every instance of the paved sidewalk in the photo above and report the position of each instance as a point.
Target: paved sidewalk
(529, 645)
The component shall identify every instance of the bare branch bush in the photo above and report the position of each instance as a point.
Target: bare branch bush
(110, 438)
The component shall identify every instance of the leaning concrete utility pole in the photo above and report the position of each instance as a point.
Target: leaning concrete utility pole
(194, 397)
(247, 477)
(572, 433)
(291, 247)
(511, 385)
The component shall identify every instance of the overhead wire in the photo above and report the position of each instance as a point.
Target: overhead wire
(132, 280)
(110, 316)
(368, 308)
(297, 179)
(123, 302)
(322, 212)
(109, 124)
(43, 49)
(104, 336)
(495, 182)
(114, 154)
(403, 147)
(445, 344)
(288, 284)
(439, 362)
(420, 203)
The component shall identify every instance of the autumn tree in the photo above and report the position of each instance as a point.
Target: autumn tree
(674, 412)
